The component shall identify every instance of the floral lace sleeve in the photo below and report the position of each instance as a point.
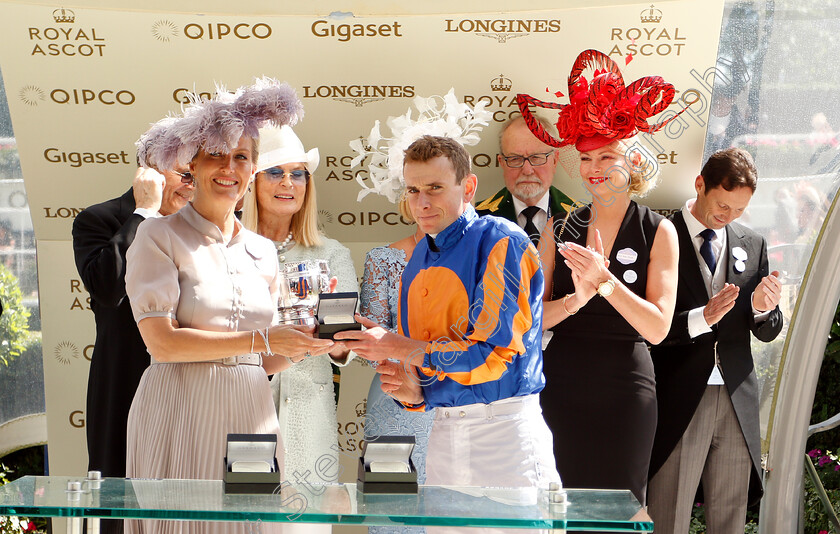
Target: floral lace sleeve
(381, 284)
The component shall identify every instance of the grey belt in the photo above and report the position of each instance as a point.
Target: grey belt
(242, 359)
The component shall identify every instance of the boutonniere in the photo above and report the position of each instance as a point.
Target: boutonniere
(740, 256)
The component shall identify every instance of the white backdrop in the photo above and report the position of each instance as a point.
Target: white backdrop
(84, 81)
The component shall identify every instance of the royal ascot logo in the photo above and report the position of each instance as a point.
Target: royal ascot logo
(501, 84)
(345, 32)
(340, 169)
(648, 38)
(650, 16)
(502, 30)
(64, 16)
(361, 408)
(164, 30)
(63, 39)
(65, 352)
(79, 159)
(77, 290)
(358, 95)
(503, 106)
(31, 95)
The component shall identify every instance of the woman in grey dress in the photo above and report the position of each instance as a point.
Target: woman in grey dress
(203, 290)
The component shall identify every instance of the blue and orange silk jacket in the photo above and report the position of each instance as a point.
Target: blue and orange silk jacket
(474, 293)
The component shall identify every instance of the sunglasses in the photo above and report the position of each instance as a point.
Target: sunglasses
(186, 177)
(276, 174)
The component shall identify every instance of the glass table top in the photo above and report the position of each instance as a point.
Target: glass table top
(602, 510)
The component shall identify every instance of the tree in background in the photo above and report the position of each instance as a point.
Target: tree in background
(14, 321)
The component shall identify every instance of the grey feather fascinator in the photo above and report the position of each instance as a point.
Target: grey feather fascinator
(216, 125)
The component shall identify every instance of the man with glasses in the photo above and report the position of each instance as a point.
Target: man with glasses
(528, 165)
(101, 236)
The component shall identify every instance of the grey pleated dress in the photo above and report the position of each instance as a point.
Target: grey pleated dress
(180, 267)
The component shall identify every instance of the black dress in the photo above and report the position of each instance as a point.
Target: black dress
(600, 394)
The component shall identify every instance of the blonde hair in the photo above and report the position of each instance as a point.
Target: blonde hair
(304, 225)
(405, 212)
(644, 168)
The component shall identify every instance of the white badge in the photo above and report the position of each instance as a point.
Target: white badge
(630, 276)
(740, 266)
(739, 253)
(626, 256)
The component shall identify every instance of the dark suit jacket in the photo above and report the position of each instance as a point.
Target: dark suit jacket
(501, 204)
(683, 365)
(101, 236)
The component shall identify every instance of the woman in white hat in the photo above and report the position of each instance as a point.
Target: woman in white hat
(281, 206)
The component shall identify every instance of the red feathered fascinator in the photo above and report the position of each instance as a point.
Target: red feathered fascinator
(604, 110)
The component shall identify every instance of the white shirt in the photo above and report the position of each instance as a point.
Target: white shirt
(147, 213)
(714, 282)
(540, 218)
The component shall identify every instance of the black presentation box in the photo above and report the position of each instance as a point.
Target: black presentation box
(335, 313)
(247, 457)
(385, 465)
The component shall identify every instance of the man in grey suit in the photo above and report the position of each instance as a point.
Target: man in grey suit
(706, 388)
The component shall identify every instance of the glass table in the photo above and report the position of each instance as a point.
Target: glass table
(205, 500)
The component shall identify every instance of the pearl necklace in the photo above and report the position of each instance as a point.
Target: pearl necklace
(281, 247)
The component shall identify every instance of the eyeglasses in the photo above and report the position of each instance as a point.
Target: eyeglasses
(186, 177)
(276, 174)
(514, 162)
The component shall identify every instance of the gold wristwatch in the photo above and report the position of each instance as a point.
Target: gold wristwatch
(605, 289)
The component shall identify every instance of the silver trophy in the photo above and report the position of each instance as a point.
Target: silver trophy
(300, 284)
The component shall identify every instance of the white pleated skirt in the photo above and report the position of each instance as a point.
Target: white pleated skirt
(178, 426)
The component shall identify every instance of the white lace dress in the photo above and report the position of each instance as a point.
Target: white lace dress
(304, 394)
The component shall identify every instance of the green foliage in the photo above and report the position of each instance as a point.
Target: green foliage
(24, 462)
(827, 396)
(14, 329)
(828, 469)
(28, 461)
(4, 474)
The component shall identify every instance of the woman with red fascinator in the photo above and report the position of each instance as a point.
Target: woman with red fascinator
(611, 281)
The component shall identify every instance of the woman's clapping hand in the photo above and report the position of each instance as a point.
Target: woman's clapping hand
(588, 264)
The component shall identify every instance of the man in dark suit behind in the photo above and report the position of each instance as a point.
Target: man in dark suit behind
(706, 388)
(101, 236)
(528, 198)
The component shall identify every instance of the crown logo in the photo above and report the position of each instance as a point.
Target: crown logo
(501, 83)
(361, 408)
(62, 15)
(650, 16)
